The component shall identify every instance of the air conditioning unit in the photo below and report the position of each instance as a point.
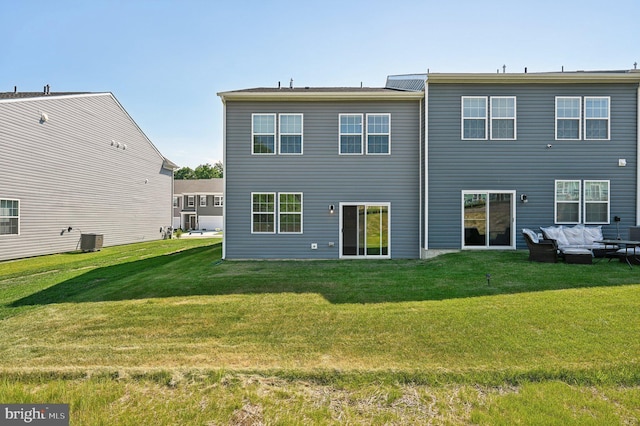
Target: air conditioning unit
(91, 242)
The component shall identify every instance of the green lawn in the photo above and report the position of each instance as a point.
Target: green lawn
(166, 333)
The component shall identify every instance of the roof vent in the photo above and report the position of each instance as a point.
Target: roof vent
(291, 84)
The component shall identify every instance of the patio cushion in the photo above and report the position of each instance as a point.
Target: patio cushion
(555, 233)
(531, 234)
(592, 234)
(575, 235)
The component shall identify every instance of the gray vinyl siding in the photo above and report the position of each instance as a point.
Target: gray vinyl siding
(526, 165)
(324, 177)
(65, 172)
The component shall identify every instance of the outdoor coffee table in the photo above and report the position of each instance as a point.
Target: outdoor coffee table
(626, 244)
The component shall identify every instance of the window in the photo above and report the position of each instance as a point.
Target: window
(203, 201)
(218, 200)
(9, 217)
(596, 201)
(474, 117)
(503, 117)
(596, 118)
(378, 133)
(175, 201)
(350, 133)
(263, 133)
(190, 201)
(290, 133)
(568, 118)
(290, 213)
(568, 201)
(263, 213)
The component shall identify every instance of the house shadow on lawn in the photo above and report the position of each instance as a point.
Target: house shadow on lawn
(200, 272)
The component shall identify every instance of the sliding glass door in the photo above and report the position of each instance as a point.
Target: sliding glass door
(365, 230)
(488, 219)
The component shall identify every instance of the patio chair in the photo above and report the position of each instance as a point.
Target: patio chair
(540, 250)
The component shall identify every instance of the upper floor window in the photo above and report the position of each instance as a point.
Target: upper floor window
(218, 200)
(596, 118)
(350, 133)
(190, 201)
(203, 201)
(474, 117)
(290, 133)
(503, 117)
(263, 133)
(9, 217)
(175, 201)
(378, 133)
(568, 117)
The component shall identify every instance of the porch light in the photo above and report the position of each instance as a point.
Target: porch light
(331, 209)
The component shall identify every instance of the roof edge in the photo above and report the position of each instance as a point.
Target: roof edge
(355, 94)
(553, 77)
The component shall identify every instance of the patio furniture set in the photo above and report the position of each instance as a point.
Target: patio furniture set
(580, 244)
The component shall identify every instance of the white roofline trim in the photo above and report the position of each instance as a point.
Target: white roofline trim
(518, 78)
(320, 96)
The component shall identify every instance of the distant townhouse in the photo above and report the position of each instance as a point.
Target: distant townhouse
(428, 163)
(74, 164)
(198, 204)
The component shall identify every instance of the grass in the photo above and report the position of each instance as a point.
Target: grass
(165, 332)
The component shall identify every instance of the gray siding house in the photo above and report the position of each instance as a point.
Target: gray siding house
(427, 164)
(76, 164)
(198, 204)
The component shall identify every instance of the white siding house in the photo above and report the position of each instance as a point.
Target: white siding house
(76, 164)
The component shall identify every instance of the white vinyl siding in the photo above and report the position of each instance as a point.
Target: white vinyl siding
(9, 217)
(474, 117)
(596, 118)
(263, 133)
(351, 130)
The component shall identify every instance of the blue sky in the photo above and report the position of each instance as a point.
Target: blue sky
(165, 60)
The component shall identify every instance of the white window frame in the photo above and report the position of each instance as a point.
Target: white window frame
(175, 201)
(485, 118)
(272, 213)
(11, 216)
(281, 213)
(607, 202)
(203, 201)
(281, 133)
(579, 118)
(607, 118)
(254, 133)
(191, 201)
(506, 118)
(218, 200)
(387, 134)
(361, 134)
(556, 202)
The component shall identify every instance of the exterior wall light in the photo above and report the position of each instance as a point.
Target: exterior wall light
(524, 198)
(331, 209)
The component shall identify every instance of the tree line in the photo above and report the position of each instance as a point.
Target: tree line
(203, 171)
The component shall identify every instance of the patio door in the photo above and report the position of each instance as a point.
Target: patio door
(488, 219)
(365, 230)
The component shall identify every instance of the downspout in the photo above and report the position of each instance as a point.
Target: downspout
(224, 177)
(638, 155)
(420, 219)
(426, 164)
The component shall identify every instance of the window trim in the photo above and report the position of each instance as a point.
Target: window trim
(254, 134)
(191, 201)
(202, 198)
(388, 134)
(218, 200)
(608, 98)
(579, 118)
(273, 213)
(280, 213)
(556, 202)
(463, 118)
(514, 118)
(11, 217)
(361, 134)
(281, 133)
(175, 201)
(608, 202)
